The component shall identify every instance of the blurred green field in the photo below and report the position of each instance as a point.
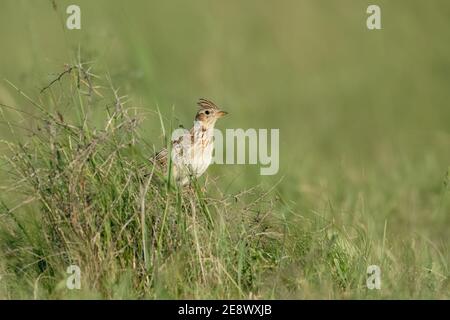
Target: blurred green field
(364, 122)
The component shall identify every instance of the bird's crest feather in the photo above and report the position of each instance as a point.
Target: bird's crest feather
(206, 104)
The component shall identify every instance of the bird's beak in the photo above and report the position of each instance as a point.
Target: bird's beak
(221, 113)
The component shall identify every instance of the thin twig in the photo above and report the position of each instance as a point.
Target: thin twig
(68, 70)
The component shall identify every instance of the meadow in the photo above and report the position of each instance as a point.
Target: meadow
(364, 175)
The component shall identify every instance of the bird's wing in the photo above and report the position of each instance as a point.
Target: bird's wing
(179, 145)
(160, 158)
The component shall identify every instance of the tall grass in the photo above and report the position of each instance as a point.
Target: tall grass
(89, 197)
(93, 201)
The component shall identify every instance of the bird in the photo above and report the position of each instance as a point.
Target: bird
(191, 152)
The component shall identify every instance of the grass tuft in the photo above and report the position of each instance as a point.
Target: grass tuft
(90, 198)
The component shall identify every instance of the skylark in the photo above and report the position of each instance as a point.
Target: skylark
(191, 152)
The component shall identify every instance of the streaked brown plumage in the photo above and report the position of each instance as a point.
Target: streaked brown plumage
(192, 151)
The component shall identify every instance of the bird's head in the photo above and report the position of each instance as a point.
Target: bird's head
(208, 113)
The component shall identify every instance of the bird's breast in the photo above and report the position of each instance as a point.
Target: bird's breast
(194, 153)
(201, 155)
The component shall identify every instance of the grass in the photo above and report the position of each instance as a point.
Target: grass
(364, 174)
(97, 205)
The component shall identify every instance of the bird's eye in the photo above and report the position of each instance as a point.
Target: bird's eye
(206, 112)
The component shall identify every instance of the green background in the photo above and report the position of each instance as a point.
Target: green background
(364, 115)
